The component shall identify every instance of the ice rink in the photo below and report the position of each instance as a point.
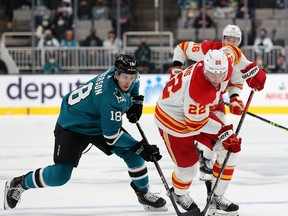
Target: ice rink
(100, 185)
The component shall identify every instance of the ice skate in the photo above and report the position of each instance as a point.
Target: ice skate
(206, 167)
(13, 192)
(150, 201)
(222, 206)
(186, 202)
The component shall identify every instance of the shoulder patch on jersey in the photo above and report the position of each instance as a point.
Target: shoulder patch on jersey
(236, 51)
(207, 45)
(200, 90)
(119, 96)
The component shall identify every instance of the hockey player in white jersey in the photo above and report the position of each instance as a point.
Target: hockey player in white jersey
(183, 114)
(195, 51)
(174, 128)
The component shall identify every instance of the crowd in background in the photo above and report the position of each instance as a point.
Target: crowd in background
(220, 10)
(54, 24)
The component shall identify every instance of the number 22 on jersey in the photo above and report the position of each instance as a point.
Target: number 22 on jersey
(174, 85)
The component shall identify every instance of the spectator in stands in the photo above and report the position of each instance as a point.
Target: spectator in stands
(281, 64)
(143, 54)
(92, 39)
(44, 25)
(84, 10)
(48, 40)
(51, 67)
(68, 10)
(41, 12)
(263, 44)
(124, 19)
(100, 10)
(199, 21)
(240, 11)
(190, 16)
(113, 42)
(68, 55)
(61, 23)
(69, 41)
(223, 10)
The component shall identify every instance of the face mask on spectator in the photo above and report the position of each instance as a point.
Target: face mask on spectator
(60, 22)
(48, 37)
(45, 23)
(262, 36)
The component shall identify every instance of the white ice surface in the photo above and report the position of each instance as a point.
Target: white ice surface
(100, 185)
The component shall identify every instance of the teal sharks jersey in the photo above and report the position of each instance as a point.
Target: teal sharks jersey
(96, 108)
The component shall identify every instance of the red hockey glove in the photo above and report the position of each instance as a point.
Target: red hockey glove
(229, 139)
(174, 70)
(254, 76)
(236, 105)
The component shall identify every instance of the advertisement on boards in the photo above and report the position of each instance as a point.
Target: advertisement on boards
(48, 90)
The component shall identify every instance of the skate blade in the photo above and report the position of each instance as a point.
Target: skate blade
(154, 209)
(205, 177)
(222, 213)
(6, 206)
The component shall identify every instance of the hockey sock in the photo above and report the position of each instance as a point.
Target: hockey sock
(139, 177)
(54, 175)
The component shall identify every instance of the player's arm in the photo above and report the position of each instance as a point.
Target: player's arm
(111, 122)
(182, 52)
(254, 76)
(234, 88)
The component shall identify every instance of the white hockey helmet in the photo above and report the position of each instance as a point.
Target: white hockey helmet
(232, 31)
(215, 61)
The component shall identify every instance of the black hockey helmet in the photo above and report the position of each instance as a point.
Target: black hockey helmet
(126, 64)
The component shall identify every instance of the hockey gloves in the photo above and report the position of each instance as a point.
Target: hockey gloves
(135, 111)
(146, 151)
(229, 139)
(255, 77)
(236, 105)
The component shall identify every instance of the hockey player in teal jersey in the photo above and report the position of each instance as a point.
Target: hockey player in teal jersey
(93, 114)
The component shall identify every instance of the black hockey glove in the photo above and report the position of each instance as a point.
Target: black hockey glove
(135, 111)
(146, 151)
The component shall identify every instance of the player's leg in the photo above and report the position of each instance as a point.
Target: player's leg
(205, 146)
(206, 157)
(67, 153)
(138, 173)
(220, 205)
(184, 154)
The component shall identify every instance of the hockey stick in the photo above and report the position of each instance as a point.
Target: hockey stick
(209, 199)
(259, 117)
(169, 194)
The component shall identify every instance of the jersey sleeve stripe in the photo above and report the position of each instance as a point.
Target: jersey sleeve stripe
(184, 46)
(169, 122)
